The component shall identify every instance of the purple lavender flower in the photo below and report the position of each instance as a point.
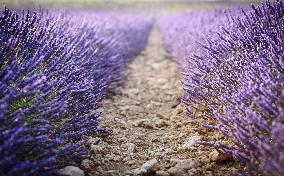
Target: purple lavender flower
(236, 72)
(55, 68)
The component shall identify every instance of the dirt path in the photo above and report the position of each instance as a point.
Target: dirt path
(151, 133)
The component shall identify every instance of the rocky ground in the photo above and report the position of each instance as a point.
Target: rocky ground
(151, 134)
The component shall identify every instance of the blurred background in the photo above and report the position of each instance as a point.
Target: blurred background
(137, 6)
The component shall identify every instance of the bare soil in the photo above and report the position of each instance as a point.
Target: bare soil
(149, 123)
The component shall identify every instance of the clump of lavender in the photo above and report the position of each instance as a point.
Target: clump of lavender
(179, 32)
(238, 76)
(54, 71)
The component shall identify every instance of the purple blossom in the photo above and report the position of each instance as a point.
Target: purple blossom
(236, 71)
(55, 68)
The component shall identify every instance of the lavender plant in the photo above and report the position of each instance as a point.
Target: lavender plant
(54, 71)
(237, 74)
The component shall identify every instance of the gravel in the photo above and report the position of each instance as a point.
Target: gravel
(149, 124)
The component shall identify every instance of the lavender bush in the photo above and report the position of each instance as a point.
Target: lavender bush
(237, 74)
(181, 31)
(55, 68)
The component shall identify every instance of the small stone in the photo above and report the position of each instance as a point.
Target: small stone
(162, 173)
(149, 167)
(72, 171)
(219, 157)
(96, 149)
(111, 173)
(130, 148)
(94, 141)
(177, 125)
(151, 153)
(168, 151)
(156, 65)
(142, 156)
(131, 162)
(161, 123)
(86, 164)
(181, 167)
(144, 123)
(213, 155)
(185, 164)
(155, 139)
(122, 139)
(190, 142)
(126, 159)
(182, 135)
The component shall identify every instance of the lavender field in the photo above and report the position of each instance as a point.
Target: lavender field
(162, 88)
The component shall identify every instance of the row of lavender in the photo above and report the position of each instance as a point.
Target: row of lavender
(237, 73)
(55, 68)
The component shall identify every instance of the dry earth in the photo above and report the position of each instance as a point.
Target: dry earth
(151, 134)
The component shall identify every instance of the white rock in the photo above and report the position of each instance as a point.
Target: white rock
(111, 173)
(213, 155)
(86, 164)
(144, 123)
(94, 141)
(130, 148)
(161, 123)
(181, 167)
(72, 171)
(167, 152)
(185, 164)
(190, 142)
(146, 168)
(156, 65)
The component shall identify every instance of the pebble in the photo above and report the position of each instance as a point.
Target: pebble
(94, 141)
(144, 123)
(219, 157)
(164, 153)
(149, 167)
(181, 167)
(161, 123)
(86, 164)
(111, 173)
(213, 155)
(156, 65)
(190, 142)
(72, 171)
(122, 139)
(185, 164)
(126, 159)
(177, 125)
(96, 149)
(130, 148)
(155, 139)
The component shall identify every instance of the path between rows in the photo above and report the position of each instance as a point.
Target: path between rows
(151, 133)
